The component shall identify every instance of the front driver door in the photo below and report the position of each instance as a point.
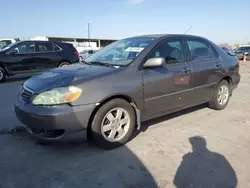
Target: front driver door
(20, 58)
(167, 88)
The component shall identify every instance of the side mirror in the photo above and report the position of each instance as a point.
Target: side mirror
(155, 62)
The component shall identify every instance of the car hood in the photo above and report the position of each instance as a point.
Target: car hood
(66, 76)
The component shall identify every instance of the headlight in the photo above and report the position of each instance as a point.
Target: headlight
(58, 96)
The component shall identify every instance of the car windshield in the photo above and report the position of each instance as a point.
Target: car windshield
(242, 49)
(121, 52)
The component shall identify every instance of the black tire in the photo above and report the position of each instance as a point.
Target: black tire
(214, 104)
(65, 63)
(95, 130)
(2, 75)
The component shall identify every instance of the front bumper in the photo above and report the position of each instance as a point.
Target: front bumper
(55, 121)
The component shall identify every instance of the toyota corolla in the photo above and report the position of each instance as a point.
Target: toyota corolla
(124, 84)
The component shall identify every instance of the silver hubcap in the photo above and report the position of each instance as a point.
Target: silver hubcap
(64, 65)
(115, 124)
(1, 75)
(223, 95)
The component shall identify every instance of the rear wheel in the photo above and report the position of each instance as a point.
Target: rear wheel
(63, 64)
(2, 75)
(113, 124)
(221, 96)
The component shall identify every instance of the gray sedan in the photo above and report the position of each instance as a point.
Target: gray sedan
(127, 82)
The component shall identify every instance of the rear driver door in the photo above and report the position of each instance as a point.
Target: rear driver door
(47, 57)
(207, 69)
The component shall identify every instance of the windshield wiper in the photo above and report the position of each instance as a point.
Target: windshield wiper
(100, 63)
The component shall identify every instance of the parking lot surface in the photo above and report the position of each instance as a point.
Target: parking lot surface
(167, 152)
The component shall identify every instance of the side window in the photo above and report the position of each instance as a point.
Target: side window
(199, 50)
(172, 51)
(44, 47)
(56, 48)
(25, 47)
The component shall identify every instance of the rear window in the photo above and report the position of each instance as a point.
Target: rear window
(44, 47)
(200, 50)
(56, 48)
(69, 46)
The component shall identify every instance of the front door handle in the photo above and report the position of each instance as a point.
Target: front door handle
(219, 65)
(187, 70)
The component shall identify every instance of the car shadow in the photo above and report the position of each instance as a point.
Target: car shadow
(70, 164)
(204, 168)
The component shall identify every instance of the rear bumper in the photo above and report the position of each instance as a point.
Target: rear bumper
(235, 81)
(54, 121)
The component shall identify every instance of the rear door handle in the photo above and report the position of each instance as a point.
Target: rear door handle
(187, 70)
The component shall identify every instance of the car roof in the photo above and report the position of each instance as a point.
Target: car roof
(41, 41)
(165, 36)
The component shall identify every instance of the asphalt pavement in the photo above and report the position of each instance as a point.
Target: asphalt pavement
(8, 93)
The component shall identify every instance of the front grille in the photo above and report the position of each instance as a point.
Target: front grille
(26, 93)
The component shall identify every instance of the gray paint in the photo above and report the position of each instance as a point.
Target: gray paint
(155, 91)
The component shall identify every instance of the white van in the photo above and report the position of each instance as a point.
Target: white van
(5, 42)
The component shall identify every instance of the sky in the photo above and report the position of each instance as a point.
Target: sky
(222, 21)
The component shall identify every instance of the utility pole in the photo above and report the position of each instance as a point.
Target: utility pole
(89, 33)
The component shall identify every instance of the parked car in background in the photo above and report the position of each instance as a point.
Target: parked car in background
(228, 50)
(234, 51)
(34, 56)
(124, 84)
(86, 53)
(7, 41)
(243, 50)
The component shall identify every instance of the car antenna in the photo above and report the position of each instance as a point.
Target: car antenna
(188, 30)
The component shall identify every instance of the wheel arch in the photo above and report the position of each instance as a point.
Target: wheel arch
(229, 80)
(66, 61)
(104, 101)
(6, 70)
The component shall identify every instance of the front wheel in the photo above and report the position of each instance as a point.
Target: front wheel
(113, 124)
(221, 96)
(2, 75)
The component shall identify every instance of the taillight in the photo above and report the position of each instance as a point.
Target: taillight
(77, 53)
